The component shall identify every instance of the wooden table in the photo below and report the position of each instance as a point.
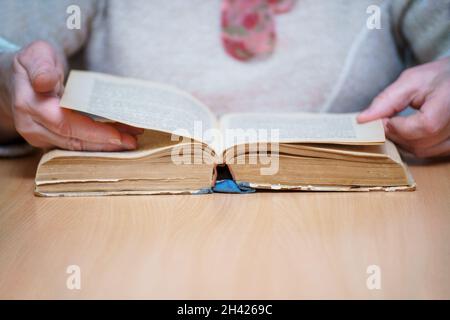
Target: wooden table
(265, 245)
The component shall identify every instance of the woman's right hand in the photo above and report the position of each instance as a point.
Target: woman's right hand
(36, 85)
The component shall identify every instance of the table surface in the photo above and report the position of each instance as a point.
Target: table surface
(264, 245)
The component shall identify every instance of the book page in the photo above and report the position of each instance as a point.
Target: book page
(138, 103)
(304, 128)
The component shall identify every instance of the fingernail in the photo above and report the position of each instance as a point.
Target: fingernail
(390, 127)
(128, 145)
(116, 142)
(363, 115)
(386, 128)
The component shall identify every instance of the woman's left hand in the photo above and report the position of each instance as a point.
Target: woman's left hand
(426, 88)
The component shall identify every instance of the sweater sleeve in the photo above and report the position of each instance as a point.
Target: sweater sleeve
(23, 21)
(423, 28)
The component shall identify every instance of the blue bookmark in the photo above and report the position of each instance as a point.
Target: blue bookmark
(230, 186)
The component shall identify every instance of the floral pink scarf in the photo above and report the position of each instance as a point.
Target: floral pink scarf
(248, 26)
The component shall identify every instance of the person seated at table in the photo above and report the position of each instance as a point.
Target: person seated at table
(235, 55)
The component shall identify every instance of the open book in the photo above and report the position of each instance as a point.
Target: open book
(184, 144)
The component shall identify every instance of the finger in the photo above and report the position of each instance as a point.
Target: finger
(124, 128)
(60, 66)
(440, 150)
(44, 138)
(423, 142)
(399, 141)
(41, 64)
(429, 121)
(433, 150)
(392, 100)
(432, 140)
(404, 145)
(72, 124)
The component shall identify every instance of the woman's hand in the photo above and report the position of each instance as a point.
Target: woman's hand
(426, 88)
(35, 87)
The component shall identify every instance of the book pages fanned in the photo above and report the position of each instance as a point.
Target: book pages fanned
(137, 103)
(122, 193)
(302, 152)
(308, 127)
(411, 186)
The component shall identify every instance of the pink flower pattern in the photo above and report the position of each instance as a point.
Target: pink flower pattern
(248, 26)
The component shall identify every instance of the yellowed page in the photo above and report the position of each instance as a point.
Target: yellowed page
(138, 103)
(149, 143)
(306, 128)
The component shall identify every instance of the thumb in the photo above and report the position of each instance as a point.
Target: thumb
(42, 66)
(391, 100)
